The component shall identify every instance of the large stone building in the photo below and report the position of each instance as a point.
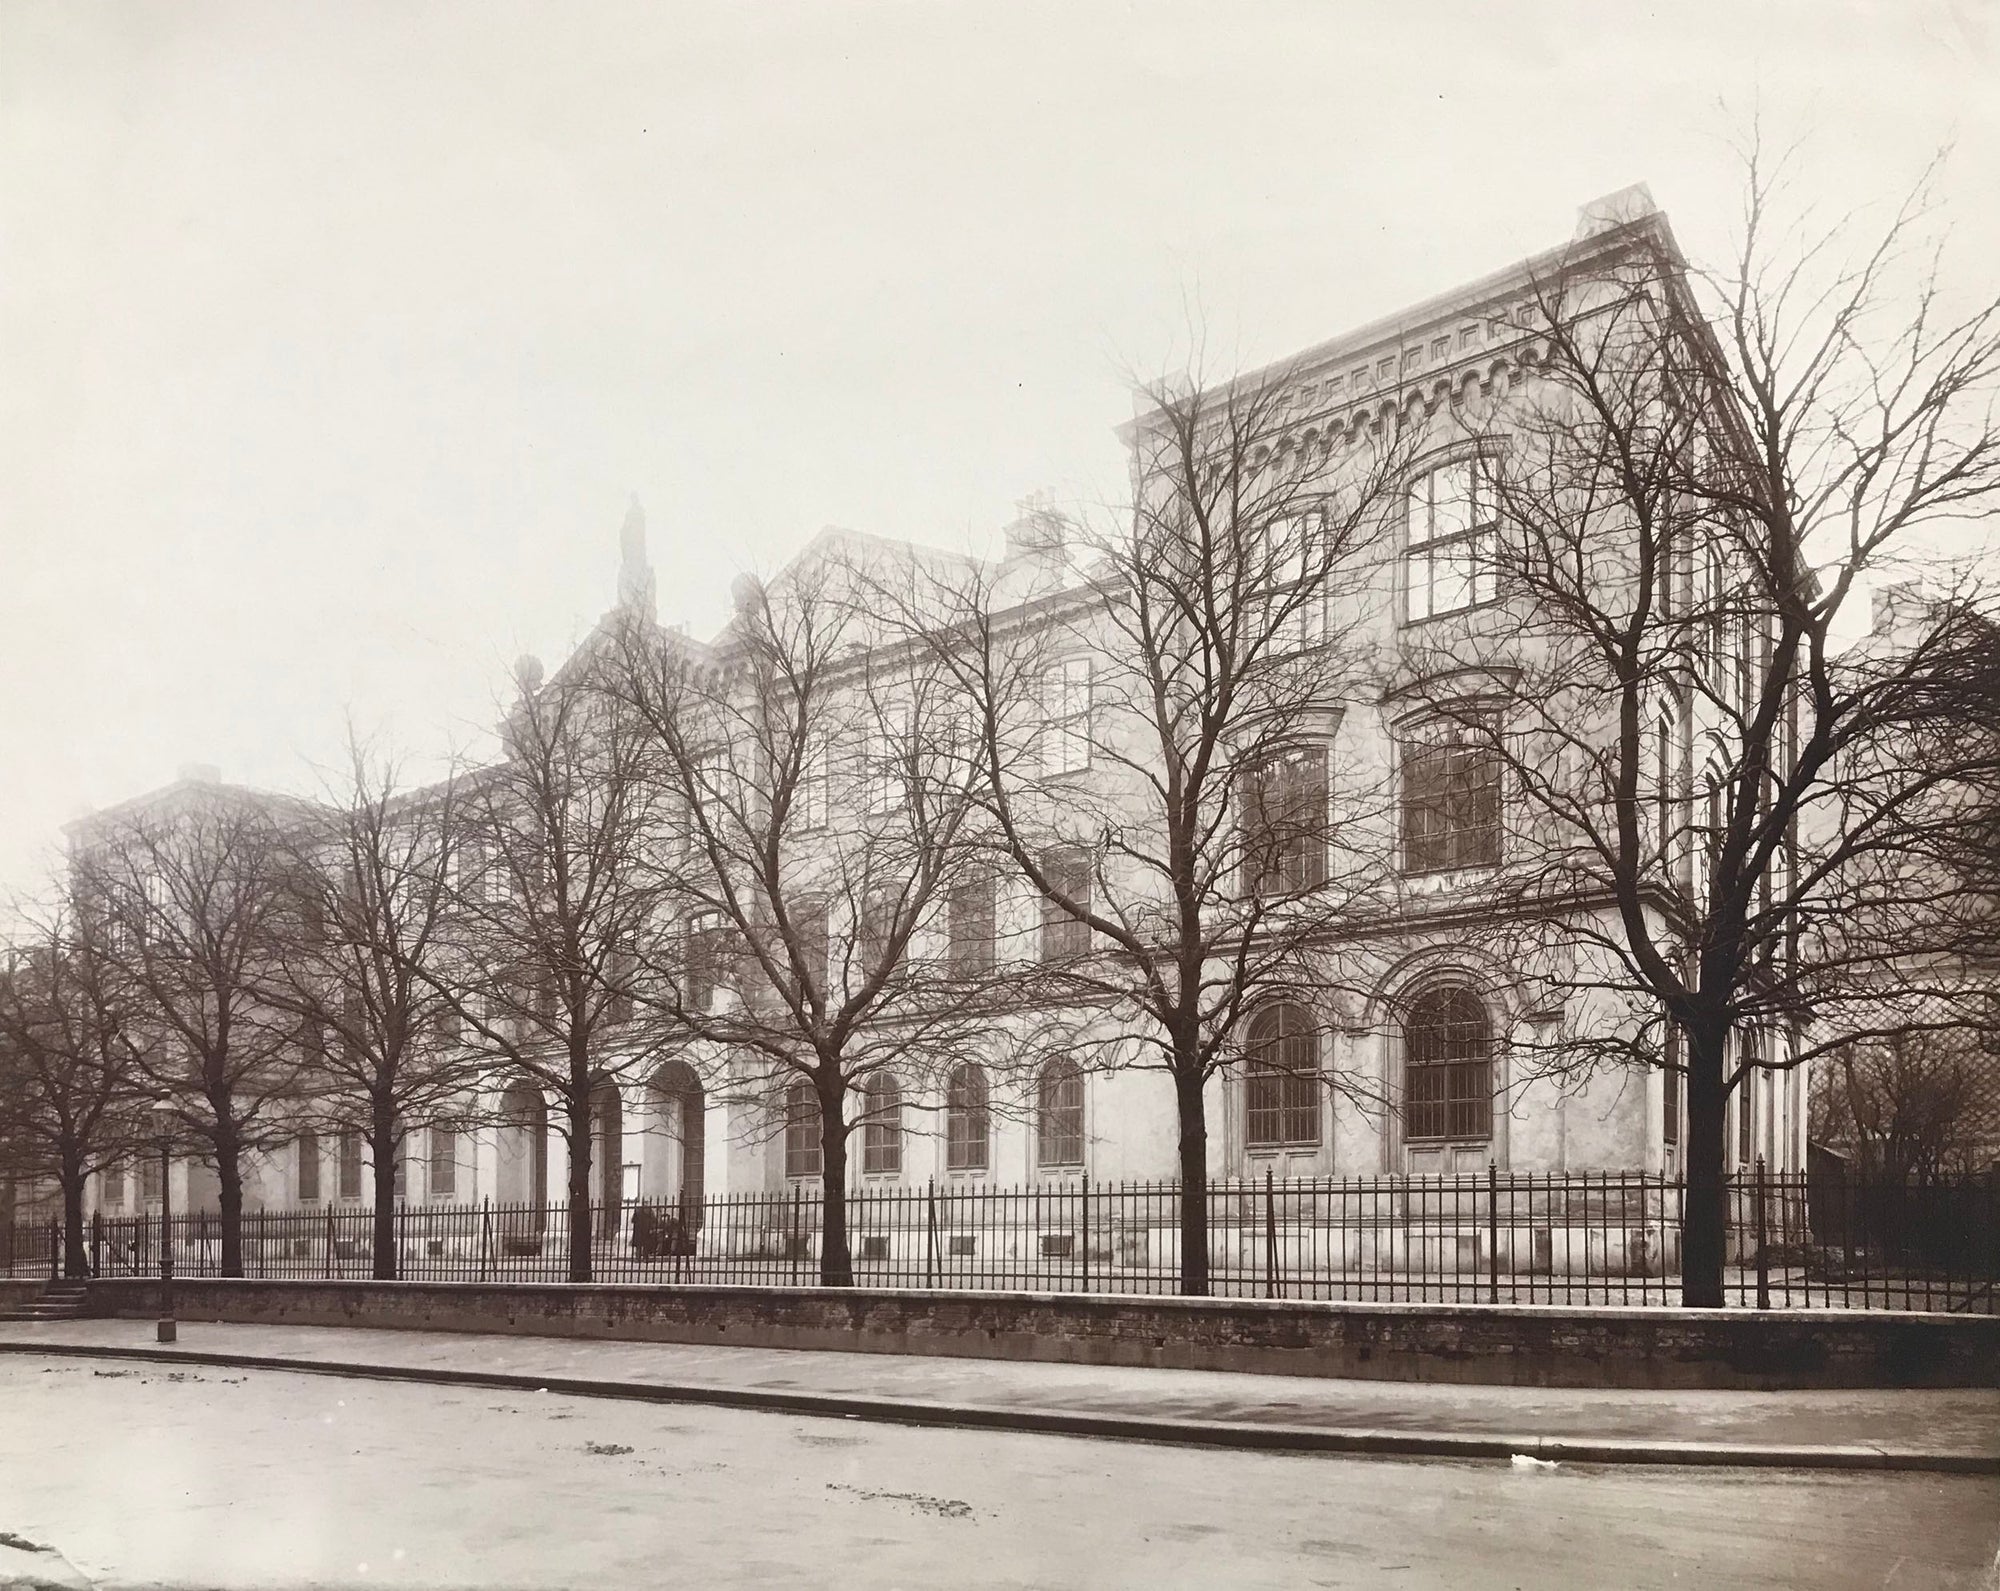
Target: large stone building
(1438, 1032)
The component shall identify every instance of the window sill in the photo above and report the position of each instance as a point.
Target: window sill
(1408, 623)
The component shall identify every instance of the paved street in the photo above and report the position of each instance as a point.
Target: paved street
(141, 1474)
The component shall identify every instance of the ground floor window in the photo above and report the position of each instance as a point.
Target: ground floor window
(1281, 1081)
(1448, 1067)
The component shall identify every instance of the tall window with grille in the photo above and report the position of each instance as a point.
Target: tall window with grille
(350, 1165)
(1453, 528)
(1450, 800)
(1447, 1067)
(882, 1125)
(152, 1179)
(441, 1174)
(1284, 823)
(1671, 1085)
(1059, 1115)
(968, 1125)
(111, 1187)
(970, 922)
(810, 940)
(308, 1167)
(1746, 1098)
(875, 924)
(1066, 727)
(1281, 1080)
(881, 772)
(704, 959)
(1063, 935)
(803, 1154)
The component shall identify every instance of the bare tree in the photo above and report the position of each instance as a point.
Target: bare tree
(1915, 1107)
(70, 1105)
(197, 907)
(375, 877)
(823, 788)
(1156, 702)
(555, 905)
(1725, 819)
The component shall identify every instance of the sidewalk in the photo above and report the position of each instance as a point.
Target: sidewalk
(1955, 1431)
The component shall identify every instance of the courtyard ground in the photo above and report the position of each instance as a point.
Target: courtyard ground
(144, 1474)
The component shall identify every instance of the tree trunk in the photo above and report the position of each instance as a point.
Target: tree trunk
(836, 1261)
(382, 1143)
(229, 1175)
(1194, 1181)
(1704, 1214)
(581, 1216)
(76, 1258)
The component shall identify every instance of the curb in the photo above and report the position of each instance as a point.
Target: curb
(1117, 1427)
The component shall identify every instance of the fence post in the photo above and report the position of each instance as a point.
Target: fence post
(97, 1243)
(1270, 1237)
(797, 1234)
(1084, 1236)
(486, 1238)
(55, 1247)
(1492, 1232)
(328, 1261)
(930, 1232)
(1763, 1259)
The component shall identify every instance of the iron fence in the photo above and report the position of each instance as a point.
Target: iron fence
(1569, 1238)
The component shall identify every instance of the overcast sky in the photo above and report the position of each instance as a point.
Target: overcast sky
(334, 337)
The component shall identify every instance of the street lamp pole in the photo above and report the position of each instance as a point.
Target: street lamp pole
(163, 1117)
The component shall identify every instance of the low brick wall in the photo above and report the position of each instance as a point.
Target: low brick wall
(1518, 1345)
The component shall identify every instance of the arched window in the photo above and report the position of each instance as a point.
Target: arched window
(1448, 1067)
(802, 1145)
(1281, 1082)
(1059, 1115)
(882, 1128)
(967, 1122)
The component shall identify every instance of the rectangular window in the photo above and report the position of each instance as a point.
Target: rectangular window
(1440, 349)
(809, 936)
(308, 1153)
(803, 1153)
(970, 920)
(1385, 369)
(881, 774)
(1068, 873)
(112, 1183)
(1450, 805)
(1066, 716)
(1670, 1098)
(882, 1132)
(703, 958)
(809, 801)
(1746, 1102)
(1295, 600)
(1284, 824)
(874, 930)
(152, 1179)
(399, 1167)
(441, 1175)
(1448, 562)
(350, 1165)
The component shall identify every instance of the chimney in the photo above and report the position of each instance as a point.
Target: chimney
(1615, 210)
(1894, 606)
(1038, 533)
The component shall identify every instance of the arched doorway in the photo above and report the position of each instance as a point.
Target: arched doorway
(522, 1174)
(674, 1158)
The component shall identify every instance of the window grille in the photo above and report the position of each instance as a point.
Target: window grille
(441, 1176)
(1063, 935)
(970, 921)
(803, 1150)
(1281, 1083)
(1059, 1115)
(350, 1165)
(1450, 803)
(882, 1128)
(308, 1153)
(1284, 822)
(968, 1123)
(1448, 1067)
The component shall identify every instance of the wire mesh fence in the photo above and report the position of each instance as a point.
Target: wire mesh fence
(1576, 1238)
